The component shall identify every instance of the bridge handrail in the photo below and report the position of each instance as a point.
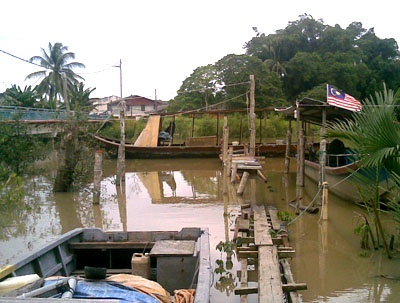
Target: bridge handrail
(33, 113)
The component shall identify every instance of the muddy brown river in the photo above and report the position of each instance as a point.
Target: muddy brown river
(171, 194)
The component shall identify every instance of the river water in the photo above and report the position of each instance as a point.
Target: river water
(171, 194)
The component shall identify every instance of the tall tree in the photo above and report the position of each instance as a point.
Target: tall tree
(235, 71)
(56, 62)
(201, 87)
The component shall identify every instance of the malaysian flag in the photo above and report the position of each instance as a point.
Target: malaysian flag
(340, 99)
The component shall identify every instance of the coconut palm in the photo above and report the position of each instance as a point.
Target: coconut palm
(56, 62)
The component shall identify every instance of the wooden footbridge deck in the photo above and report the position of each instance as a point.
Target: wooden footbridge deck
(264, 253)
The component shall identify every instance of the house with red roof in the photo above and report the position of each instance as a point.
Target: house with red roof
(137, 106)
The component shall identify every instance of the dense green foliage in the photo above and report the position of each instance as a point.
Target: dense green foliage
(294, 62)
(269, 127)
(18, 149)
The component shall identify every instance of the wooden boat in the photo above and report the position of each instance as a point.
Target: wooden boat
(186, 151)
(342, 182)
(175, 259)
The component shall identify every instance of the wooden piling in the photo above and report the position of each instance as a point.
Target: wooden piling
(225, 140)
(98, 172)
(229, 162)
(234, 173)
(252, 115)
(121, 148)
(325, 201)
(288, 144)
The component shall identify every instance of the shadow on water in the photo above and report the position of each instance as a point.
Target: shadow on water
(171, 194)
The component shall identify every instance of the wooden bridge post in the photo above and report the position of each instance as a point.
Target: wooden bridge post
(121, 149)
(322, 152)
(225, 140)
(300, 160)
(288, 144)
(252, 150)
(325, 201)
(98, 172)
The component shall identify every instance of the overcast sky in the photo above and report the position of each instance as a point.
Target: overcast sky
(160, 42)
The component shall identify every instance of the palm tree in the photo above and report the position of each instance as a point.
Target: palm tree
(79, 97)
(55, 63)
(16, 96)
(375, 134)
(273, 48)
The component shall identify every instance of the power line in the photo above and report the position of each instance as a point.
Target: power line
(19, 58)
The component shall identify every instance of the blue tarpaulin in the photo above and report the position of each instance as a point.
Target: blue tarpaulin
(109, 290)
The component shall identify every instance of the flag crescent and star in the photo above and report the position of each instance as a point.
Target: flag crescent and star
(340, 99)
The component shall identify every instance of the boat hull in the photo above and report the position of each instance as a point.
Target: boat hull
(183, 151)
(341, 182)
(90, 247)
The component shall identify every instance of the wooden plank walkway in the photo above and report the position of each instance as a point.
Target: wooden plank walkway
(271, 253)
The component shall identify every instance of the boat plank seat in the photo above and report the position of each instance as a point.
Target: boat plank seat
(111, 245)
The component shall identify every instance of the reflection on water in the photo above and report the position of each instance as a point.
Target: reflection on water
(171, 194)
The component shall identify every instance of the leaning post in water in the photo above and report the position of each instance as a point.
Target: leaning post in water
(98, 172)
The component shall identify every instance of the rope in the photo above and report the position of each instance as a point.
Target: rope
(344, 179)
(308, 206)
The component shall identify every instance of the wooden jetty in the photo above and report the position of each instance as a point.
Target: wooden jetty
(262, 240)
